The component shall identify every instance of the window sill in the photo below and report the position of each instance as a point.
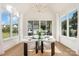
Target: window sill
(9, 38)
(72, 38)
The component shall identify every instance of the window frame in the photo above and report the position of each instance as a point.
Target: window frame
(39, 25)
(17, 29)
(68, 25)
(11, 28)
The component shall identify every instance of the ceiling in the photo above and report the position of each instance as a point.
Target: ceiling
(32, 8)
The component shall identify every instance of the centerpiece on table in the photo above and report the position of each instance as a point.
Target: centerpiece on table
(39, 39)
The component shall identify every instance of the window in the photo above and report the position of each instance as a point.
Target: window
(70, 24)
(44, 26)
(64, 26)
(9, 22)
(49, 27)
(15, 26)
(35, 27)
(30, 28)
(73, 24)
(5, 24)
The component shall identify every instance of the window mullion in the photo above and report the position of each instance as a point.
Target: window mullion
(46, 27)
(67, 27)
(1, 37)
(39, 25)
(18, 26)
(11, 26)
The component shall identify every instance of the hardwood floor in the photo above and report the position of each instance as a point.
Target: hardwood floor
(15, 51)
(60, 50)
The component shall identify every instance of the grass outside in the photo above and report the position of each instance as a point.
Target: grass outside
(7, 34)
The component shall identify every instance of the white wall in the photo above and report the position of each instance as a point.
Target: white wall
(70, 42)
(4, 45)
(77, 45)
(1, 42)
(39, 16)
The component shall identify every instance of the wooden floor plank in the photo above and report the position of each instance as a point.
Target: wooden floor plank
(60, 50)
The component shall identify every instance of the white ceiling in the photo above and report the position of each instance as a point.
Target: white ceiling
(52, 8)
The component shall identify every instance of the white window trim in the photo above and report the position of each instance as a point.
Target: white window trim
(39, 25)
(11, 28)
(68, 26)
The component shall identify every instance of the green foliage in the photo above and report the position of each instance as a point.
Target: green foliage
(39, 34)
(15, 30)
(43, 27)
(6, 29)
